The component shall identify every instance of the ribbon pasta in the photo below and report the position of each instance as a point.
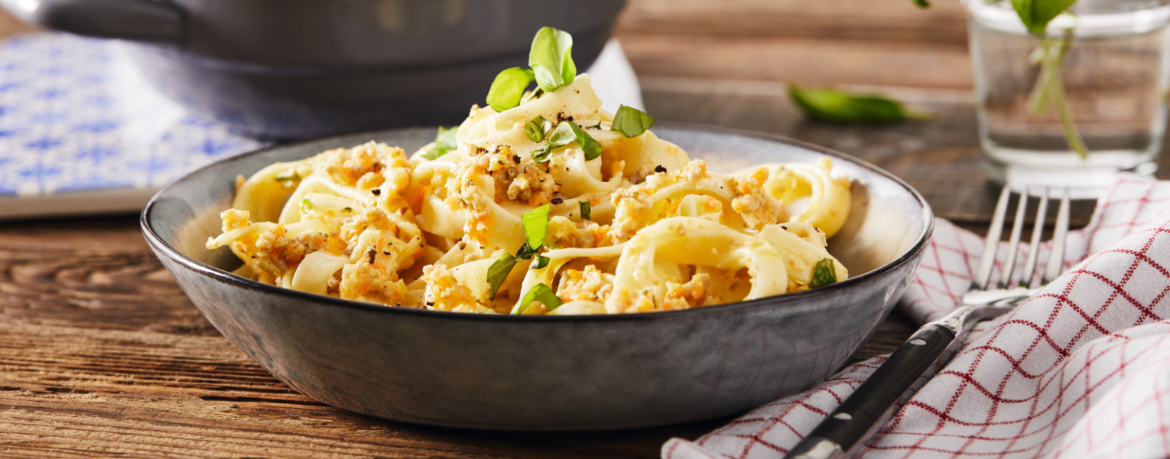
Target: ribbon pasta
(369, 223)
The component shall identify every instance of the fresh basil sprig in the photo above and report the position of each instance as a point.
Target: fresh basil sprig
(508, 88)
(631, 122)
(551, 58)
(541, 293)
(824, 273)
(444, 143)
(1036, 14)
(841, 107)
(551, 61)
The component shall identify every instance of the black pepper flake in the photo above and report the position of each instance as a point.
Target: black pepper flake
(378, 192)
(557, 200)
(372, 253)
(516, 159)
(659, 168)
(431, 304)
(385, 252)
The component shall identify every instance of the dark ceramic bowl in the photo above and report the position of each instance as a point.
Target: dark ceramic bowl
(296, 68)
(550, 373)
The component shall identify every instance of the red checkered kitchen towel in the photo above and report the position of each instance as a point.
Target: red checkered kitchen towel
(1080, 370)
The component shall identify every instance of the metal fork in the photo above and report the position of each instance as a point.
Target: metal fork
(929, 348)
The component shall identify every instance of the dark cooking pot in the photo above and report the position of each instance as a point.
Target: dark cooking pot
(294, 68)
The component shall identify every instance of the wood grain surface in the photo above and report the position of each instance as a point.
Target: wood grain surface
(101, 354)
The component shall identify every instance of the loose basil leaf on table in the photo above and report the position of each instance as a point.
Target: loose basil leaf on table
(444, 143)
(508, 88)
(631, 122)
(551, 58)
(841, 107)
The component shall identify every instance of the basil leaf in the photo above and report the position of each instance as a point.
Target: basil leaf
(535, 224)
(586, 208)
(1036, 14)
(922, 3)
(551, 58)
(499, 271)
(840, 107)
(824, 273)
(631, 122)
(567, 132)
(508, 88)
(591, 147)
(563, 135)
(541, 293)
(290, 177)
(306, 205)
(542, 154)
(444, 143)
(541, 261)
(525, 252)
(536, 128)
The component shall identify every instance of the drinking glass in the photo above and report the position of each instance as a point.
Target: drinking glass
(1113, 77)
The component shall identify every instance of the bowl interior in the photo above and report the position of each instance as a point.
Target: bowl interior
(886, 221)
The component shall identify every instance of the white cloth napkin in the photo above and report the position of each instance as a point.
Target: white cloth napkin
(1080, 370)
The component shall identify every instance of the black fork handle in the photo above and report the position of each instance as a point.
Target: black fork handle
(895, 380)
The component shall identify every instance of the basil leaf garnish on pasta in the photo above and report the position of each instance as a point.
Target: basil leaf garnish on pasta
(444, 143)
(508, 88)
(541, 293)
(499, 271)
(551, 59)
(841, 107)
(525, 252)
(824, 273)
(586, 208)
(306, 205)
(535, 224)
(541, 261)
(291, 176)
(536, 128)
(631, 122)
(588, 144)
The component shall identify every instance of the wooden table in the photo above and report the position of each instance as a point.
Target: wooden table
(101, 353)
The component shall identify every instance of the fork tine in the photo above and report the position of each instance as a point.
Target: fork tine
(1009, 267)
(1059, 236)
(987, 260)
(1029, 273)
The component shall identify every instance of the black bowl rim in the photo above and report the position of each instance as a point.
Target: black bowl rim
(799, 297)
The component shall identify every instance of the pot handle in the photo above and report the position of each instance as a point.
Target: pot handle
(156, 21)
